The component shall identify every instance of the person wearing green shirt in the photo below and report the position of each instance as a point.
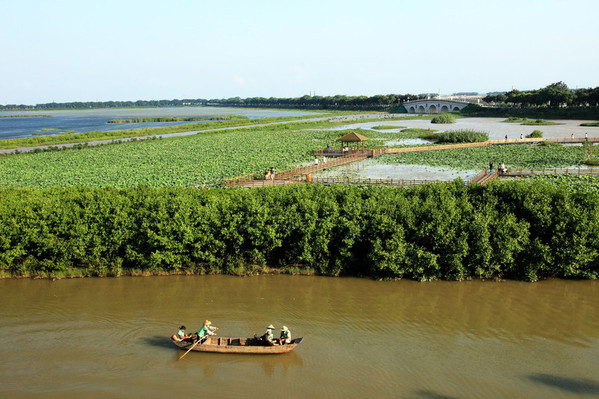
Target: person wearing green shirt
(206, 330)
(285, 337)
(269, 337)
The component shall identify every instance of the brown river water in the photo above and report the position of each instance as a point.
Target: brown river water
(108, 338)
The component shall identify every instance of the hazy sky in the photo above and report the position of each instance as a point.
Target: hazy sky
(83, 50)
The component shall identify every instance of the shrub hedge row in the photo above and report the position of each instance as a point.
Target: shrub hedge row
(439, 231)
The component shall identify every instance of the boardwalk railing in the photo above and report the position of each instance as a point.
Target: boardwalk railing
(478, 177)
(369, 182)
(553, 171)
(333, 153)
(239, 180)
(337, 158)
(303, 170)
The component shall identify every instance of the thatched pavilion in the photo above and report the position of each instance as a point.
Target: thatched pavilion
(352, 137)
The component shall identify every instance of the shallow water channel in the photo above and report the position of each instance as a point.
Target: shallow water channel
(89, 338)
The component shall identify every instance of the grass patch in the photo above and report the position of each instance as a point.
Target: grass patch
(385, 127)
(458, 136)
(535, 134)
(538, 122)
(443, 118)
(25, 116)
(180, 119)
(525, 156)
(590, 124)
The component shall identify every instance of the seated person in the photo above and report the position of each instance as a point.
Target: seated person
(268, 339)
(181, 335)
(285, 337)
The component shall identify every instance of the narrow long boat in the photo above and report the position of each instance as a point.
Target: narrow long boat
(237, 345)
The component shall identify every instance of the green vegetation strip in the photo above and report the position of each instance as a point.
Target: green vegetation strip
(387, 127)
(119, 134)
(198, 160)
(25, 116)
(526, 156)
(180, 119)
(443, 118)
(440, 231)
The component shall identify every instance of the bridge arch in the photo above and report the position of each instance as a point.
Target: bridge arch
(433, 106)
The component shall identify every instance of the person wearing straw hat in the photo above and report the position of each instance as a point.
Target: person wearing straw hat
(269, 337)
(206, 330)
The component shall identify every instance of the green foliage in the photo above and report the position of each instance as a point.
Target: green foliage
(535, 134)
(198, 160)
(458, 136)
(179, 119)
(591, 124)
(540, 122)
(570, 183)
(526, 156)
(443, 118)
(440, 231)
(386, 127)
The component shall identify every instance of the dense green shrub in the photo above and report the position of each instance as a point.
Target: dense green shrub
(535, 134)
(443, 118)
(440, 231)
(459, 136)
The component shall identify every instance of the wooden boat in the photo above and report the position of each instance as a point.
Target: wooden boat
(237, 345)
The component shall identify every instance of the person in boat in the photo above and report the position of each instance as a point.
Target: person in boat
(181, 335)
(285, 337)
(268, 338)
(206, 331)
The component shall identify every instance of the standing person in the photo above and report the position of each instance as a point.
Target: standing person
(316, 161)
(324, 160)
(506, 137)
(272, 173)
(586, 136)
(266, 174)
(572, 137)
(490, 166)
(206, 330)
(520, 136)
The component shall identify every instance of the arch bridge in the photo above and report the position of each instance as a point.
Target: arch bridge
(434, 106)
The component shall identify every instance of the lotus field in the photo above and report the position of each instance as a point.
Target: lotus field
(199, 160)
(525, 156)
(204, 159)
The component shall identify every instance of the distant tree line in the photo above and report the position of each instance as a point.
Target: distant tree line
(338, 102)
(555, 95)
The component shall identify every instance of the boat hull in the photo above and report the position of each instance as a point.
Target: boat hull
(237, 345)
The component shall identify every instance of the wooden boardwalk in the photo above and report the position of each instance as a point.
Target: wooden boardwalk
(303, 174)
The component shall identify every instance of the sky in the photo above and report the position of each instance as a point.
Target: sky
(128, 50)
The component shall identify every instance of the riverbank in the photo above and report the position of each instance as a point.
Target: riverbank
(250, 270)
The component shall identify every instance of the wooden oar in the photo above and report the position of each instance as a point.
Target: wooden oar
(193, 346)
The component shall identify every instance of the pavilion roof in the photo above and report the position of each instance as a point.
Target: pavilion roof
(352, 137)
